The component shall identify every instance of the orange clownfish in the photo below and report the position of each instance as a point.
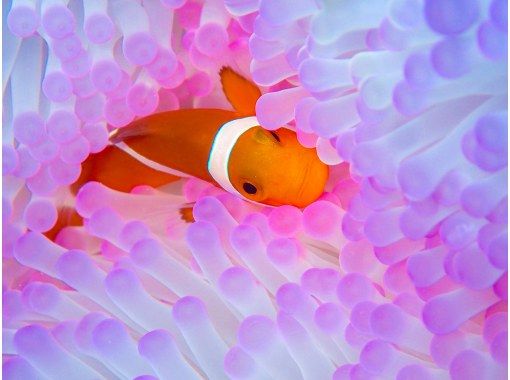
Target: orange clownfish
(226, 148)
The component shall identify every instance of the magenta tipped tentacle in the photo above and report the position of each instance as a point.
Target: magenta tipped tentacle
(399, 270)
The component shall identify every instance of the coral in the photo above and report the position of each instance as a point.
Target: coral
(398, 271)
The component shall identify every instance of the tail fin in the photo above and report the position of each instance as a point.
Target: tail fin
(113, 168)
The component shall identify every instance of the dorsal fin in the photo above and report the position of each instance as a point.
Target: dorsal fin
(240, 92)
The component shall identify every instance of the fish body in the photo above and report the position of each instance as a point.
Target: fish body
(226, 148)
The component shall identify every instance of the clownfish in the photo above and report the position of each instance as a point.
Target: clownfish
(228, 148)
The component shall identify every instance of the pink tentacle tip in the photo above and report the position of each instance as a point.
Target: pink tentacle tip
(285, 220)
(283, 251)
(140, 48)
(23, 21)
(354, 288)
(322, 219)
(211, 39)
(256, 333)
(142, 100)
(99, 28)
(238, 363)
(58, 21)
(189, 311)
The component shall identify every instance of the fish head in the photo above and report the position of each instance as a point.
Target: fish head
(273, 168)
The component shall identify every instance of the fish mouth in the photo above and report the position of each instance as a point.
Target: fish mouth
(293, 196)
(304, 177)
(313, 181)
(300, 195)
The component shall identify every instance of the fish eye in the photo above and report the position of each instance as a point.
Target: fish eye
(249, 188)
(276, 137)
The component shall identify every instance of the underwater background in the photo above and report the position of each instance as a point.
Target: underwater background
(399, 271)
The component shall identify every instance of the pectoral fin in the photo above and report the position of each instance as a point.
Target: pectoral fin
(136, 129)
(240, 92)
(187, 214)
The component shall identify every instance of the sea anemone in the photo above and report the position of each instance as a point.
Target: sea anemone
(399, 270)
